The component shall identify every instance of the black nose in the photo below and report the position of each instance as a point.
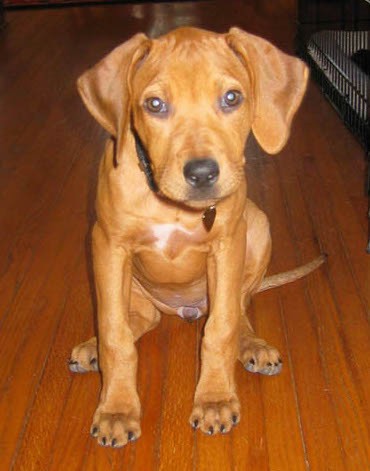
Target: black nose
(200, 173)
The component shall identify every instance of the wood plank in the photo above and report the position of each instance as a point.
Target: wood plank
(28, 156)
(31, 322)
(249, 440)
(153, 365)
(41, 430)
(328, 316)
(177, 439)
(352, 228)
(348, 266)
(285, 445)
(315, 416)
(310, 425)
(345, 377)
(72, 440)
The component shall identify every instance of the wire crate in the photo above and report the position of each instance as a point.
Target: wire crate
(333, 37)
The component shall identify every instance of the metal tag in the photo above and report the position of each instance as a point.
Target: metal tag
(209, 217)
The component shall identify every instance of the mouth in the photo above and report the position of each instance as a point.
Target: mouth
(198, 200)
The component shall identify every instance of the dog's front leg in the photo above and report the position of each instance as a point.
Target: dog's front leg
(216, 405)
(116, 420)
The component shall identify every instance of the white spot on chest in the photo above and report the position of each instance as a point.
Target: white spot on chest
(163, 232)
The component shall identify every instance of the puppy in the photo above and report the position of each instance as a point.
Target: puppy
(175, 231)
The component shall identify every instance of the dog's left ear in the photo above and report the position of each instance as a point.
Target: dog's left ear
(279, 82)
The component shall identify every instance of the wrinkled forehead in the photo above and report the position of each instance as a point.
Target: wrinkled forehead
(195, 65)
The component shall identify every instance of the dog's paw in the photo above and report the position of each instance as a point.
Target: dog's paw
(115, 430)
(258, 357)
(84, 357)
(215, 417)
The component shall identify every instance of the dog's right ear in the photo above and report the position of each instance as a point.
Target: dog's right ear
(104, 87)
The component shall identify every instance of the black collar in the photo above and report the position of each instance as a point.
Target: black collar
(144, 161)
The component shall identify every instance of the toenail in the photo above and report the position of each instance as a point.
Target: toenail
(269, 364)
(72, 362)
(210, 430)
(104, 441)
(280, 360)
(276, 364)
(94, 431)
(114, 442)
(252, 362)
(92, 361)
(131, 436)
(222, 428)
(235, 419)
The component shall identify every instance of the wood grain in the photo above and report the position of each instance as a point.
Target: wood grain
(315, 415)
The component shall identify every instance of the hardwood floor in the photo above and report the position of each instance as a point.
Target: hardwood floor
(315, 415)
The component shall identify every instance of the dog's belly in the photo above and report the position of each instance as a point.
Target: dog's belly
(176, 285)
(158, 269)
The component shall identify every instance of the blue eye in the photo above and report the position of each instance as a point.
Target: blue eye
(231, 99)
(156, 105)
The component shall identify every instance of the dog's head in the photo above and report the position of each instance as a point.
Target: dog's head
(192, 96)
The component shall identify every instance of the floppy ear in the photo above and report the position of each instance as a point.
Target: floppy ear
(104, 87)
(279, 83)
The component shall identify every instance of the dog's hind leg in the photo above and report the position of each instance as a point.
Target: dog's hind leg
(143, 317)
(84, 357)
(254, 353)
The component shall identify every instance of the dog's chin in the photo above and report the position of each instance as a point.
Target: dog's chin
(200, 204)
(196, 204)
(195, 199)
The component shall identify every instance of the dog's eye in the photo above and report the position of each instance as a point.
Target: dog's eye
(231, 99)
(156, 105)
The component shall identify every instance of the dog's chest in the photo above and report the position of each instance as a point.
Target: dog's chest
(170, 253)
(170, 237)
(171, 268)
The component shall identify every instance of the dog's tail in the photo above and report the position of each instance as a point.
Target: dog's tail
(280, 279)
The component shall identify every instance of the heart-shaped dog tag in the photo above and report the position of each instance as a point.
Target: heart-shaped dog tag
(209, 217)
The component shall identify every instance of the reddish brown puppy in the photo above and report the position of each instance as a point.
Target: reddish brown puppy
(182, 238)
